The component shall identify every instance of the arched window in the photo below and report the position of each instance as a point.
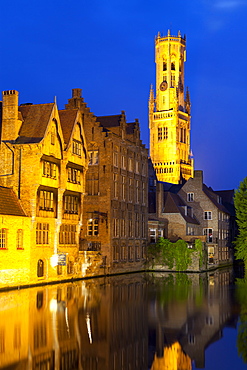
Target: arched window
(40, 268)
(173, 66)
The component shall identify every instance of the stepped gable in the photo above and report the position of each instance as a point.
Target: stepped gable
(9, 203)
(67, 120)
(110, 121)
(35, 120)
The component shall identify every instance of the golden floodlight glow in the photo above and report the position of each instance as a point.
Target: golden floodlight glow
(54, 260)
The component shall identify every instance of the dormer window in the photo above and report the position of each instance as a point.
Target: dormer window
(190, 197)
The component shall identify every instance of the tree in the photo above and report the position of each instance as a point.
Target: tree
(240, 203)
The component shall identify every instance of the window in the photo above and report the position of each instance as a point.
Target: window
(123, 162)
(3, 238)
(152, 235)
(49, 169)
(208, 215)
(71, 204)
(172, 80)
(74, 175)
(42, 233)
(92, 183)
(209, 235)
(190, 197)
(165, 133)
(40, 268)
(115, 185)
(77, 147)
(172, 66)
(19, 239)
(46, 201)
(93, 227)
(53, 136)
(164, 66)
(123, 187)
(130, 190)
(115, 159)
(130, 164)
(93, 157)
(159, 133)
(67, 234)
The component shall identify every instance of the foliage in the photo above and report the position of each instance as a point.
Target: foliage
(199, 249)
(172, 255)
(240, 203)
(242, 327)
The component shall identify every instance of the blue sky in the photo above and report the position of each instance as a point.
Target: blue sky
(107, 49)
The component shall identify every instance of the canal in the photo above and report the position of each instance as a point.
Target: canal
(127, 322)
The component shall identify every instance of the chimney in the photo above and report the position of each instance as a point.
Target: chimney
(76, 93)
(10, 122)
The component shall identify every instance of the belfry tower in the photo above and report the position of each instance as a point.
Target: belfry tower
(169, 112)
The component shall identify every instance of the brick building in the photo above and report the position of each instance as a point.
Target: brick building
(115, 203)
(43, 159)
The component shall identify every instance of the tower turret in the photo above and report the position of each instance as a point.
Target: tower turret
(169, 121)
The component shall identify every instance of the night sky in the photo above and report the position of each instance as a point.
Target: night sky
(107, 49)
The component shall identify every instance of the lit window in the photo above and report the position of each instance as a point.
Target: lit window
(77, 147)
(190, 197)
(93, 227)
(3, 238)
(19, 239)
(93, 157)
(208, 215)
(74, 175)
(46, 200)
(49, 169)
(71, 204)
(42, 233)
(67, 234)
(209, 235)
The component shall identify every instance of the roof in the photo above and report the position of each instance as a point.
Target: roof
(211, 194)
(110, 121)
(35, 120)
(9, 203)
(173, 203)
(67, 120)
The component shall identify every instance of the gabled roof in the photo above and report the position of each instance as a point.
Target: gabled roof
(173, 203)
(211, 194)
(35, 120)
(9, 203)
(110, 121)
(67, 120)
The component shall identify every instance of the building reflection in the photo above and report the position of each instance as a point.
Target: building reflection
(124, 322)
(185, 317)
(96, 324)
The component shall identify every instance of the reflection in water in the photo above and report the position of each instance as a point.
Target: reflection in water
(138, 321)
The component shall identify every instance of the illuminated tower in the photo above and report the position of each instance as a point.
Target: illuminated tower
(169, 112)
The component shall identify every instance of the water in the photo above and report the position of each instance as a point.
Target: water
(136, 321)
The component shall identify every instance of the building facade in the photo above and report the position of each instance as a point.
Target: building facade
(169, 112)
(44, 160)
(116, 201)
